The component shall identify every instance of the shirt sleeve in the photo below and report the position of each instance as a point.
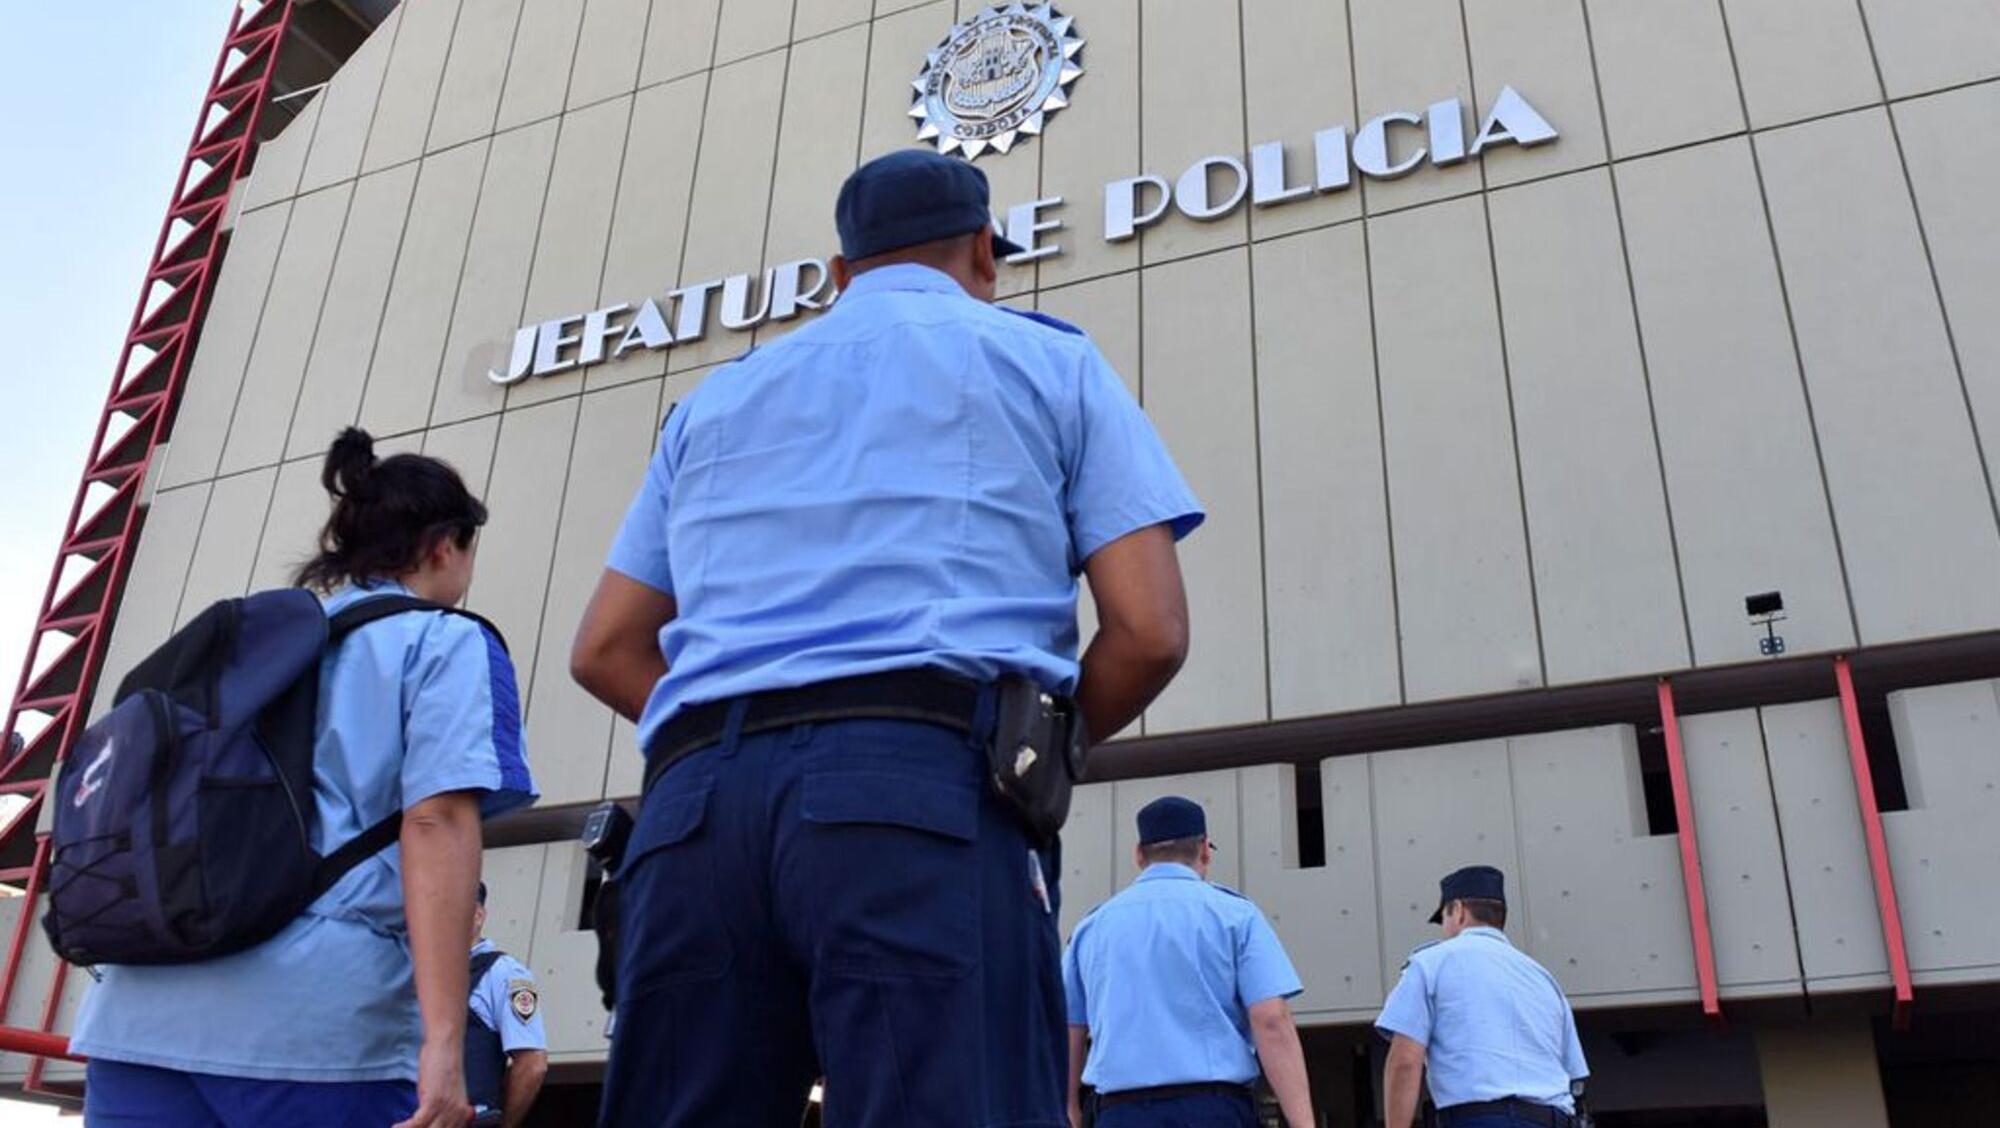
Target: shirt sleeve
(519, 993)
(640, 550)
(1121, 478)
(1078, 1004)
(1263, 970)
(462, 720)
(1408, 1010)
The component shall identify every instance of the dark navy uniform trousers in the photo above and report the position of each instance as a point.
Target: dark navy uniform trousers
(846, 899)
(1199, 1110)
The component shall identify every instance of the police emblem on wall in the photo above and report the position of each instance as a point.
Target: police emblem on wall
(995, 77)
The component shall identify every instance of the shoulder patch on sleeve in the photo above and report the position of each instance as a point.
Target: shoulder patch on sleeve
(523, 998)
(1055, 323)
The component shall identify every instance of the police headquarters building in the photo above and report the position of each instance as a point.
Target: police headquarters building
(1594, 400)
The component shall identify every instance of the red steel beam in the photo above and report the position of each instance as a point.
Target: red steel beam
(1697, 894)
(1878, 846)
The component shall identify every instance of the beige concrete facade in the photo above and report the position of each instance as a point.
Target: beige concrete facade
(1538, 419)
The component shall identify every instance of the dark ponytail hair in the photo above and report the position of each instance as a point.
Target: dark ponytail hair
(386, 514)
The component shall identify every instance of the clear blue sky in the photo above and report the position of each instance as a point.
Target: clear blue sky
(96, 105)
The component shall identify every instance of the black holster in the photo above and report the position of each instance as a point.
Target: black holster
(1036, 755)
(606, 831)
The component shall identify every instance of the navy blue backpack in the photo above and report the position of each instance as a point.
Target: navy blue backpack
(185, 817)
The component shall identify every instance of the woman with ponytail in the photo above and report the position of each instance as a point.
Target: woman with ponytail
(354, 1014)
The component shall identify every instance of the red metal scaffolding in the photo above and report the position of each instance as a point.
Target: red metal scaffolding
(52, 700)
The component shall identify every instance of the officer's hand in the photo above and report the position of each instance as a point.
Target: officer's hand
(441, 1099)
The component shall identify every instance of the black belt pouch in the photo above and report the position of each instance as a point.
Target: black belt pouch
(1036, 755)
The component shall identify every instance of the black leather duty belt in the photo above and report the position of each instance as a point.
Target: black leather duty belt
(931, 697)
(1528, 1112)
(1164, 1092)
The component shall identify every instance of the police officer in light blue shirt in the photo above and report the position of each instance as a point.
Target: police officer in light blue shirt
(851, 547)
(1178, 993)
(506, 1048)
(1489, 1024)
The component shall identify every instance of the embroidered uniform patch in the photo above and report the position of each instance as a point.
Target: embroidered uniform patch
(521, 996)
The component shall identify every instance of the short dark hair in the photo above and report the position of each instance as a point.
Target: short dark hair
(1186, 850)
(1485, 911)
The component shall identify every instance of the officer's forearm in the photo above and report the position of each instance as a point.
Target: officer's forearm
(1142, 629)
(1122, 675)
(1283, 1061)
(525, 1072)
(440, 858)
(1079, 1053)
(1402, 1079)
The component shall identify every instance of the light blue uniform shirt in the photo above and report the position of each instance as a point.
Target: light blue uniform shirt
(409, 707)
(1494, 1023)
(914, 479)
(1164, 975)
(501, 995)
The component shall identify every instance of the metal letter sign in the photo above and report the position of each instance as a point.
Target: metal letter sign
(995, 77)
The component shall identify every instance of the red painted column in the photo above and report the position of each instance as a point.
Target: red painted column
(1878, 845)
(1697, 894)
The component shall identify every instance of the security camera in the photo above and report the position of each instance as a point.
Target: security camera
(1766, 609)
(1764, 603)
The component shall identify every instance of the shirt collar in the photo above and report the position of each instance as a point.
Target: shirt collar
(484, 945)
(902, 276)
(1488, 931)
(356, 592)
(1168, 871)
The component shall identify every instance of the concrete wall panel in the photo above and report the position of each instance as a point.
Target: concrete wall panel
(516, 547)
(1182, 119)
(816, 145)
(1091, 871)
(1542, 49)
(1298, 79)
(495, 279)
(1325, 915)
(409, 94)
(608, 49)
(299, 508)
(403, 374)
(1827, 1073)
(153, 586)
(680, 39)
(650, 217)
(614, 438)
(1468, 620)
(1407, 55)
(751, 27)
(347, 108)
(1833, 897)
(1742, 857)
(513, 877)
(565, 959)
(1437, 809)
(1944, 844)
(1093, 142)
(895, 52)
(228, 332)
(1951, 145)
(336, 374)
(545, 40)
(1605, 907)
(1199, 394)
(1603, 550)
(732, 193)
(1934, 44)
(1731, 408)
(817, 17)
(1329, 577)
(263, 417)
(235, 518)
(281, 161)
(1666, 73)
(570, 248)
(1800, 58)
(1889, 407)
(475, 72)
(467, 447)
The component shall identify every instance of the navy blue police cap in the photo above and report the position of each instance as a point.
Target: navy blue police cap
(1473, 883)
(1170, 818)
(913, 196)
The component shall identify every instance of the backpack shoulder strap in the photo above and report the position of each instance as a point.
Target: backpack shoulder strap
(376, 838)
(482, 962)
(342, 623)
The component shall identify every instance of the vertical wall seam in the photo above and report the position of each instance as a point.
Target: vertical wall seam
(1792, 328)
(375, 106)
(382, 307)
(1506, 373)
(312, 338)
(506, 72)
(458, 284)
(249, 353)
(437, 92)
(1930, 263)
(1381, 412)
(555, 541)
(1639, 337)
(1256, 402)
(1784, 855)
